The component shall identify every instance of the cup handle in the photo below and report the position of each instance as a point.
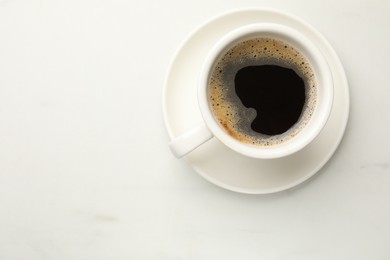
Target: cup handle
(189, 141)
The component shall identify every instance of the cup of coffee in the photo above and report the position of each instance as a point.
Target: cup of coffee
(265, 91)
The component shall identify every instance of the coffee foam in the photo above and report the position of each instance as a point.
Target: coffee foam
(228, 109)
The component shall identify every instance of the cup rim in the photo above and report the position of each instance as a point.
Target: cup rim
(324, 79)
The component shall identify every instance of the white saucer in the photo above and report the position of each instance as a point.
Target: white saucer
(214, 161)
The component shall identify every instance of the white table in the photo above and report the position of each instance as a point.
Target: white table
(85, 170)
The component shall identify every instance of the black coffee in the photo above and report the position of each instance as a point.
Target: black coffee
(276, 93)
(262, 91)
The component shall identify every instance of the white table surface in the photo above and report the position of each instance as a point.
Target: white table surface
(85, 170)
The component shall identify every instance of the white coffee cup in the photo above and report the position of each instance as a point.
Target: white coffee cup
(189, 141)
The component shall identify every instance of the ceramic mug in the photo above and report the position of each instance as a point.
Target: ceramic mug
(189, 141)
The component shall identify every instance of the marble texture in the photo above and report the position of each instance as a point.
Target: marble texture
(85, 170)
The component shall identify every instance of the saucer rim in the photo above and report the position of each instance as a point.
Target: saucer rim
(331, 55)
